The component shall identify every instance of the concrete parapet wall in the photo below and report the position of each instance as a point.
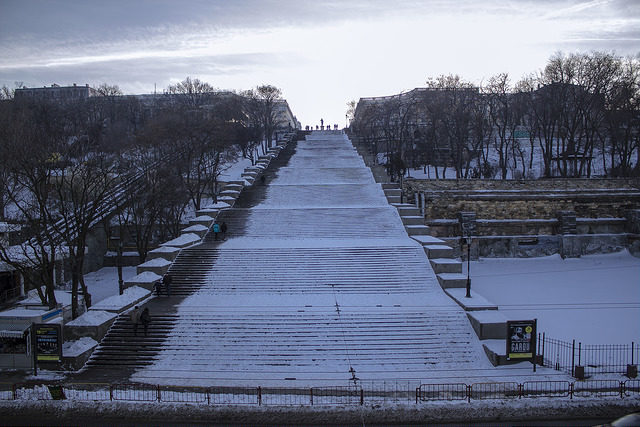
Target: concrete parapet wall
(525, 246)
(572, 184)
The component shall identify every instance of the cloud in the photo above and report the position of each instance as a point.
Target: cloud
(322, 53)
(143, 71)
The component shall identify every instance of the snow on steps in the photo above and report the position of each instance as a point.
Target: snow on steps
(278, 343)
(310, 282)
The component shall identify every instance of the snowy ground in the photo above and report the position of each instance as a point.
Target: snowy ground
(104, 282)
(594, 299)
(513, 170)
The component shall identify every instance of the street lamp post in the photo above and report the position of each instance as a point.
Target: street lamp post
(120, 282)
(468, 266)
(467, 228)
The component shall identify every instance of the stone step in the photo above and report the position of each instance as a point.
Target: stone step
(428, 240)
(446, 265)
(438, 251)
(234, 186)
(474, 303)
(412, 220)
(393, 199)
(405, 209)
(452, 280)
(417, 230)
(488, 324)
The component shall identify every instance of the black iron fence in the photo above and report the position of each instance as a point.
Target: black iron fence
(370, 394)
(582, 360)
(528, 389)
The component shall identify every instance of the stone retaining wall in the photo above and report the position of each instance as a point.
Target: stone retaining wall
(578, 184)
(572, 217)
(539, 199)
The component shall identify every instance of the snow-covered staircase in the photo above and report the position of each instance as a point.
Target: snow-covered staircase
(122, 348)
(317, 282)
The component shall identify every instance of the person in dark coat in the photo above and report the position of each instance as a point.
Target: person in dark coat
(166, 281)
(135, 319)
(145, 319)
(223, 230)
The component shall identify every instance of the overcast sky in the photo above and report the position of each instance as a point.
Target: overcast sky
(321, 53)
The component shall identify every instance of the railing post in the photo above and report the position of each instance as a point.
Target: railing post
(259, 396)
(520, 390)
(311, 395)
(208, 396)
(622, 386)
(158, 392)
(14, 390)
(469, 391)
(571, 390)
(111, 392)
(417, 390)
(580, 354)
(573, 356)
(361, 396)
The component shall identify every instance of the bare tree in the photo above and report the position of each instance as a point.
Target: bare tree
(192, 92)
(29, 148)
(264, 106)
(106, 89)
(621, 138)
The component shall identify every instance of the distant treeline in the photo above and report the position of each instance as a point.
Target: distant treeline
(578, 117)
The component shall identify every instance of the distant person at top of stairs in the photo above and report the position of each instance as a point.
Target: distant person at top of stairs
(216, 230)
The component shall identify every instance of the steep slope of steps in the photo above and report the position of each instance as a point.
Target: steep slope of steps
(364, 270)
(316, 341)
(122, 348)
(318, 223)
(323, 195)
(314, 176)
(317, 276)
(191, 270)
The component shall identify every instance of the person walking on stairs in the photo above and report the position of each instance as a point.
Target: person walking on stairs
(223, 230)
(216, 230)
(135, 319)
(145, 319)
(166, 281)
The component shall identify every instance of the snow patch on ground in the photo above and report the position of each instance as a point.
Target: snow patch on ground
(129, 296)
(92, 318)
(77, 347)
(183, 240)
(594, 299)
(104, 282)
(156, 262)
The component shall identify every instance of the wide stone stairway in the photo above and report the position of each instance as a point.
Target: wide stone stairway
(316, 283)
